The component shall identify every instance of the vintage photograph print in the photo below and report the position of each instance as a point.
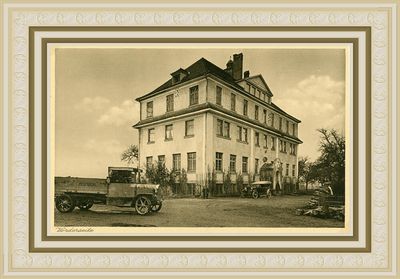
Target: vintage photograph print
(200, 137)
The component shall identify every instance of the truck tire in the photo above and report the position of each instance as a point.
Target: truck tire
(85, 204)
(65, 203)
(156, 207)
(142, 205)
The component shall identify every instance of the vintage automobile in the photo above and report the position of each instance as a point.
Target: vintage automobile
(258, 189)
(121, 188)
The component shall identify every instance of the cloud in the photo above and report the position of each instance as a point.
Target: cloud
(317, 98)
(319, 102)
(91, 104)
(128, 112)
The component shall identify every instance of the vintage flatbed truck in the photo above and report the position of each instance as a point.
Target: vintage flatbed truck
(121, 188)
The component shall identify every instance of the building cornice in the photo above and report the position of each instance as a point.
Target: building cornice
(215, 109)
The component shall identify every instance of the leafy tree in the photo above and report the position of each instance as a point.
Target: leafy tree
(131, 154)
(239, 181)
(307, 170)
(183, 180)
(227, 182)
(331, 163)
(159, 174)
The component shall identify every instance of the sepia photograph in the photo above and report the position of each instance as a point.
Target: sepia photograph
(200, 137)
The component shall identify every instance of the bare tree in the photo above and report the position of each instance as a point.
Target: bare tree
(131, 154)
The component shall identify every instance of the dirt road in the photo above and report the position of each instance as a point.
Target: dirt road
(216, 212)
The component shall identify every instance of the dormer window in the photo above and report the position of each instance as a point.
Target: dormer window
(178, 75)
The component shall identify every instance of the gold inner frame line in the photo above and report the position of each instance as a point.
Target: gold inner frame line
(46, 41)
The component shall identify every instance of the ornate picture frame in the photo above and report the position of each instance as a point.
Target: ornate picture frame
(30, 32)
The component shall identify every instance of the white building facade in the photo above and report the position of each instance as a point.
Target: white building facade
(210, 119)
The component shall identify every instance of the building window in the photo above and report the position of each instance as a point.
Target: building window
(294, 170)
(272, 143)
(226, 131)
(219, 95)
(256, 112)
(254, 91)
(287, 169)
(294, 129)
(170, 102)
(265, 141)
(245, 162)
(287, 126)
(220, 123)
(168, 132)
(242, 134)
(232, 163)
(263, 96)
(256, 166)
(233, 102)
(245, 107)
(257, 138)
(272, 120)
(189, 128)
(218, 161)
(191, 162)
(149, 161)
(176, 162)
(149, 109)
(223, 128)
(265, 116)
(284, 147)
(280, 123)
(194, 95)
(150, 135)
(161, 159)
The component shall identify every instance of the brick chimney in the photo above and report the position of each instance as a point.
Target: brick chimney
(237, 66)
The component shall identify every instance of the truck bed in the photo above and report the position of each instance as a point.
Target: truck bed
(80, 185)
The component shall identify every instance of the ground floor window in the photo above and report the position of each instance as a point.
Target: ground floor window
(191, 156)
(232, 163)
(245, 161)
(176, 162)
(149, 161)
(218, 161)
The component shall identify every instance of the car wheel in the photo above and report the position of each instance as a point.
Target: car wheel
(255, 194)
(142, 205)
(156, 207)
(85, 204)
(65, 203)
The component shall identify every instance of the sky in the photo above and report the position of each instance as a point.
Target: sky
(96, 88)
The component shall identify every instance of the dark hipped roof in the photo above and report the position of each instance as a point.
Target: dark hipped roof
(201, 67)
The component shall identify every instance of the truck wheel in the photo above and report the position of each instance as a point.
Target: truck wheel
(142, 205)
(85, 204)
(156, 207)
(65, 203)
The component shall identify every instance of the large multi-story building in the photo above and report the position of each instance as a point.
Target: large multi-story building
(207, 118)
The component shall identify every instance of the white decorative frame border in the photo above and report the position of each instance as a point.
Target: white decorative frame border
(381, 18)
